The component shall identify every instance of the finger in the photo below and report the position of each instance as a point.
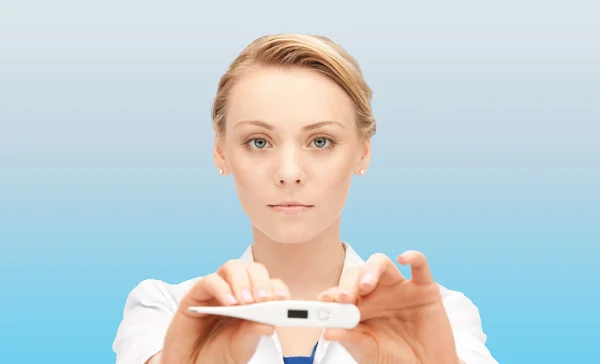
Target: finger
(419, 268)
(209, 287)
(259, 279)
(349, 285)
(280, 289)
(378, 268)
(236, 274)
(330, 295)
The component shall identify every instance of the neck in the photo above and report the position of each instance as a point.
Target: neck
(306, 268)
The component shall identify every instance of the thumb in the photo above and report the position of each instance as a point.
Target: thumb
(358, 344)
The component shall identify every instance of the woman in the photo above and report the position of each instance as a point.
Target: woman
(293, 123)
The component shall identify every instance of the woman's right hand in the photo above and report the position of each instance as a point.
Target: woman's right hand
(194, 338)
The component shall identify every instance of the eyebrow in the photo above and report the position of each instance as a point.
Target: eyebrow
(268, 126)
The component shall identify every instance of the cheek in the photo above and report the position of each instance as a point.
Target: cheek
(339, 169)
(333, 180)
(248, 175)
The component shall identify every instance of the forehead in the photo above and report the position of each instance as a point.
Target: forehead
(288, 97)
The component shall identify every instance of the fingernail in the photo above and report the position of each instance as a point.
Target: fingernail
(345, 296)
(263, 293)
(231, 299)
(366, 279)
(281, 294)
(246, 295)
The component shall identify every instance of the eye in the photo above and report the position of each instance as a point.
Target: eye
(322, 142)
(258, 143)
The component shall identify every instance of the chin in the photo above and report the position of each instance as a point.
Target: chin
(290, 233)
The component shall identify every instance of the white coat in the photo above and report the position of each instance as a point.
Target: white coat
(151, 305)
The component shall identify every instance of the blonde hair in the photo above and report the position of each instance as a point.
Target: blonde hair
(314, 52)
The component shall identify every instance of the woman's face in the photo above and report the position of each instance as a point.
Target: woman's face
(292, 146)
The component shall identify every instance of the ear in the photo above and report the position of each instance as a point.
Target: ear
(364, 156)
(219, 156)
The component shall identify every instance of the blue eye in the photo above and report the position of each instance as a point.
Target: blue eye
(323, 143)
(259, 143)
(320, 142)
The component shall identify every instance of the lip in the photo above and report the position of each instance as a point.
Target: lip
(291, 207)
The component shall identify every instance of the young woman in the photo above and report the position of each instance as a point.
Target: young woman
(293, 124)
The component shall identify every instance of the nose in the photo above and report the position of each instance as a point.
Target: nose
(290, 170)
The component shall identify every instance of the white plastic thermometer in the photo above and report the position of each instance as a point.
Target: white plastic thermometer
(290, 313)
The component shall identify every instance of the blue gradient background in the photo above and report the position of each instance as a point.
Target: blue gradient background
(487, 159)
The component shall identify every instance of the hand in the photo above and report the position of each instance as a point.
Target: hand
(402, 321)
(195, 338)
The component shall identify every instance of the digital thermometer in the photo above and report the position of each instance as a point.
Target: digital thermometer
(290, 313)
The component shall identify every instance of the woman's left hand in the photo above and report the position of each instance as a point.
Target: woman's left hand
(402, 321)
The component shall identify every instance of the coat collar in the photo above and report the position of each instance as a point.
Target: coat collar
(269, 348)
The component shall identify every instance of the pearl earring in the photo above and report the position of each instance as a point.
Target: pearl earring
(361, 172)
(220, 170)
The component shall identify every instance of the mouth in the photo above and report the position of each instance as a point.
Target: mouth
(291, 207)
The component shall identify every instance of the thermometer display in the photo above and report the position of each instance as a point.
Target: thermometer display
(298, 314)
